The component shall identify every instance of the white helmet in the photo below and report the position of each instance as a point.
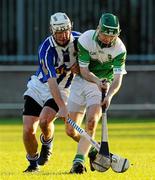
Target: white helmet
(60, 22)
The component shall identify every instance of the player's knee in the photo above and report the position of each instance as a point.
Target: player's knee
(43, 123)
(70, 132)
(91, 125)
(28, 133)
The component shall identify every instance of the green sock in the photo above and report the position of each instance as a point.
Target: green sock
(79, 158)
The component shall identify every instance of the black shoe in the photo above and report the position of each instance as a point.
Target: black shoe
(78, 168)
(45, 155)
(32, 169)
(92, 155)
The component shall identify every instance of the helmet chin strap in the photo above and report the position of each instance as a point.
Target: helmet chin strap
(62, 45)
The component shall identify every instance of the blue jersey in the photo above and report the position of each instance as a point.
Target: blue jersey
(55, 61)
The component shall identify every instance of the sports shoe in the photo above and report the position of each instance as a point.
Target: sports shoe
(32, 169)
(78, 168)
(92, 155)
(45, 155)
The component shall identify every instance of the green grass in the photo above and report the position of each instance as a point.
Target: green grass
(134, 139)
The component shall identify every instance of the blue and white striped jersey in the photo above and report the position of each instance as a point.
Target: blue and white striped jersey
(55, 61)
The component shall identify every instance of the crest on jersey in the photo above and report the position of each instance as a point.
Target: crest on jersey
(43, 67)
(101, 56)
(105, 58)
(61, 69)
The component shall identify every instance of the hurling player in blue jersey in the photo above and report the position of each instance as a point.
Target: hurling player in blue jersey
(48, 89)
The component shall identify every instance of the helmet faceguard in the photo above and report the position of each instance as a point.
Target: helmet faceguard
(60, 22)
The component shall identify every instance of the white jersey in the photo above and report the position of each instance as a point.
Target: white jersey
(101, 60)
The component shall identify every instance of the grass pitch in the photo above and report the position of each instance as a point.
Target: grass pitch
(130, 138)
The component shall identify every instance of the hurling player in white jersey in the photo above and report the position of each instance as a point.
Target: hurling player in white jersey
(48, 89)
(101, 58)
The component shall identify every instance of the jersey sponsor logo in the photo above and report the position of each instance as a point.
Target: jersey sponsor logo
(117, 69)
(120, 70)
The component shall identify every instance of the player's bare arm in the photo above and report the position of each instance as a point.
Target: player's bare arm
(75, 68)
(116, 83)
(57, 97)
(89, 76)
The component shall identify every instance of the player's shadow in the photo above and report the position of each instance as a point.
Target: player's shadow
(56, 173)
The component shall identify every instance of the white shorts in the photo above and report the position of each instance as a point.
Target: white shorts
(40, 91)
(83, 94)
